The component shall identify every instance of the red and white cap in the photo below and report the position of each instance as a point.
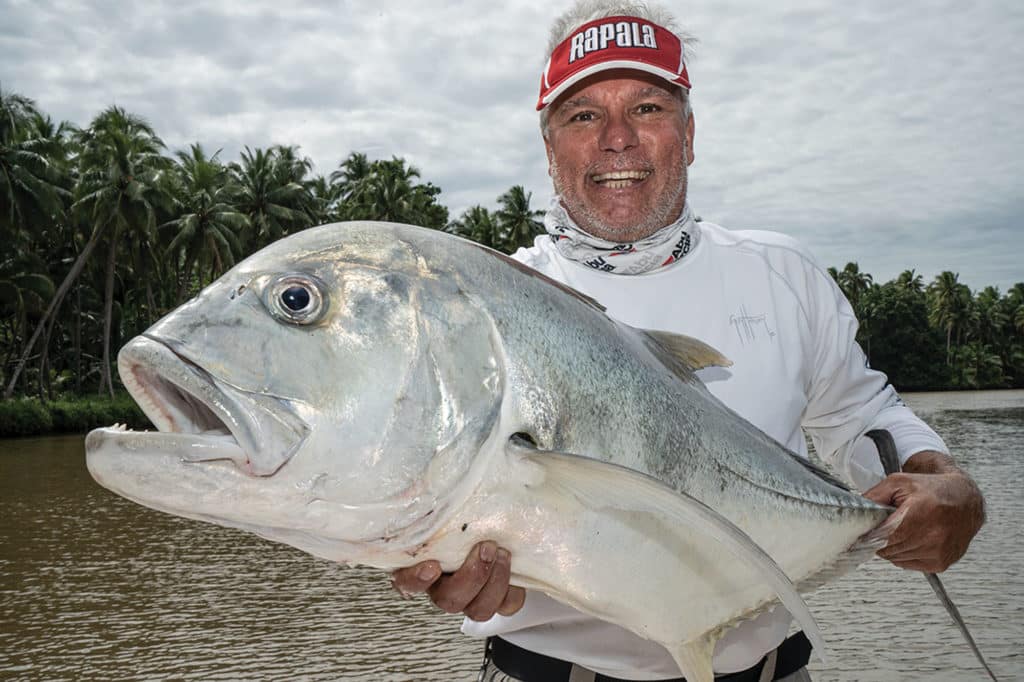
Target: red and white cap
(613, 43)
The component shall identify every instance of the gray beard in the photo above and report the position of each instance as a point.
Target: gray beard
(662, 213)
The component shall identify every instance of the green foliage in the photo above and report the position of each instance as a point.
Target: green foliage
(512, 226)
(30, 416)
(24, 417)
(941, 336)
(387, 190)
(271, 191)
(78, 415)
(896, 335)
(104, 231)
(32, 184)
(205, 235)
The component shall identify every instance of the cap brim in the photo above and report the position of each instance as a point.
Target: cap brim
(572, 80)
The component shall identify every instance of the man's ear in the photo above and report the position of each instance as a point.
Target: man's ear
(689, 139)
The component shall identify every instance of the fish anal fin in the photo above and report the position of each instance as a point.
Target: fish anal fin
(602, 485)
(694, 659)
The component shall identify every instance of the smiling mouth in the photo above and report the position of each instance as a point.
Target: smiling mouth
(620, 179)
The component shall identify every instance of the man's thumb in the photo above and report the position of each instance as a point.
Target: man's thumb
(884, 492)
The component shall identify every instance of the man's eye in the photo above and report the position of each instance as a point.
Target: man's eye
(648, 108)
(583, 116)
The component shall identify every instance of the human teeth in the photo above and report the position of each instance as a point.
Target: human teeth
(620, 179)
(610, 178)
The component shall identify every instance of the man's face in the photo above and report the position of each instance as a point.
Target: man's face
(618, 145)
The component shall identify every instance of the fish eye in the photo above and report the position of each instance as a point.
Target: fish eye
(297, 299)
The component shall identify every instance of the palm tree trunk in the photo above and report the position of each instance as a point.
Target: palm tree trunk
(183, 278)
(41, 388)
(45, 389)
(78, 340)
(58, 297)
(108, 318)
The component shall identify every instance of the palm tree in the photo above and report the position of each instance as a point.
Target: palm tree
(518, 221)
(32, 185)
(119, 167)
(479, 225)
(207, 227)
(326, 198)
(950, 307)
(387, 193)
(911, 281)
(1015, 306)
(1016, 294)
(271, 194)
(387, 190)
(990, 316)
(854, 284)
(350, 174)
(1015, 312)
(24, 291)
(121, 170)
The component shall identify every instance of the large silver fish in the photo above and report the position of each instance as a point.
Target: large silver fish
(382, 394)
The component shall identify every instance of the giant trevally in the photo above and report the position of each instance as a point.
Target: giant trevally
(382, 394)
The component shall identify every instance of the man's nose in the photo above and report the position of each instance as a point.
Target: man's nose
(618, 134)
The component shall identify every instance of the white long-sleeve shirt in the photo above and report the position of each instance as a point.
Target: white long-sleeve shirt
(763, 302)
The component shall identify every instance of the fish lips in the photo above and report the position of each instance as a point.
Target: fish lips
(199, 415)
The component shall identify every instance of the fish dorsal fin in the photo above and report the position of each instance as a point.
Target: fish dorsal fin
(818, 471)
(693, 353)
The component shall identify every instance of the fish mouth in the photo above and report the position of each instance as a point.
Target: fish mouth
(203, 418)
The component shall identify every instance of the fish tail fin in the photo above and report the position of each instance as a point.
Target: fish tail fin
(954, 613)
(891, 464)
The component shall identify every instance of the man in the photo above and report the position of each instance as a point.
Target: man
(619, 133)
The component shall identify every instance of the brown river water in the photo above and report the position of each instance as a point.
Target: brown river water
(93, 587)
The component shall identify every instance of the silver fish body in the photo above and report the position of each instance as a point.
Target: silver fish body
(426, 393)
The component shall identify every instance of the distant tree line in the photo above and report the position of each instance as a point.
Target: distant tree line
(103, 230)
(940, 335)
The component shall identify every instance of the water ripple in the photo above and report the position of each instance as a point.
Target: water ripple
(95, 587)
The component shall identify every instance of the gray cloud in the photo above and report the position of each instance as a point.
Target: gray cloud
(878, 132)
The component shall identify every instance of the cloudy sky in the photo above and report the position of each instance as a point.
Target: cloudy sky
(879, 131)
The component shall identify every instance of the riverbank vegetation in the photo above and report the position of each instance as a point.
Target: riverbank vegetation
(73, 414)
(105, 230)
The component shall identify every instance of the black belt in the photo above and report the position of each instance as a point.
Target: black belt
(529, 666)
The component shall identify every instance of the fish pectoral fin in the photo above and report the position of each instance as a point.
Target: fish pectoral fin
(694, 659)
(601, 485)
(692, 352)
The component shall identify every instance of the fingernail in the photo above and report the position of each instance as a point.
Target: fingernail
(504, 556)
(487, 552)
(427, 572)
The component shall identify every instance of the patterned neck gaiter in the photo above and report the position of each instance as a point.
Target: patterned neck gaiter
(662, 248)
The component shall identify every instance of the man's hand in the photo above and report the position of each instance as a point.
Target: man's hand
(479, 588)
(939, 510)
